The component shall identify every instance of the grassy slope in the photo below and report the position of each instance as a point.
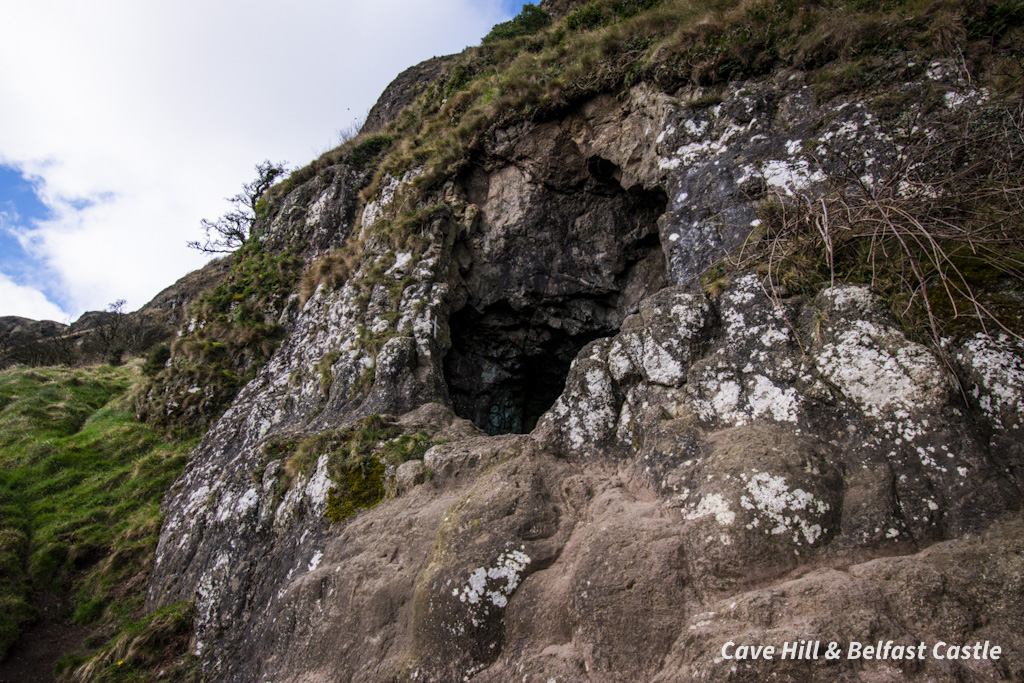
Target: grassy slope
(81, 482)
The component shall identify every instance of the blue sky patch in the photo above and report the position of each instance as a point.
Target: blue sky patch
(19, 206)
(512, 7)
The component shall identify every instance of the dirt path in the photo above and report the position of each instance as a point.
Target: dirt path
(33, 656)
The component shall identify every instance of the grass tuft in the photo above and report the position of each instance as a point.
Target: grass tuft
(233, 332)
(154, 647)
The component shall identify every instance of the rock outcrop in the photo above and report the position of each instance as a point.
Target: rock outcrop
(627, 472)
(106, 336)
(402, 91)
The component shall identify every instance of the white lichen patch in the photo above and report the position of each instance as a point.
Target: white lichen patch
(225, 507)
(712, 504)
(197, 500)
(753, 378)
(997, 368)
(695, 128)
(663, 346)
(619, 362)
(586, 412)
(882, 371)
(785, 511)
(314, 561)
(704, 150)
(398, 268)
(740, 403)
(743, 291)
(492, 586)
(374, 209)
(790, 176)
(315, 213)
(853, 298)
(768, 399)
(724, 403)
(249, 501)
(659, 365)
(319, 484)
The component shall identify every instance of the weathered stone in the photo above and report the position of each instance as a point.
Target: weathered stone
(406, 87)
(691, 469)
(409, 474)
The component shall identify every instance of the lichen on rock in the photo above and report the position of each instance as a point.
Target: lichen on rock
(614, 471)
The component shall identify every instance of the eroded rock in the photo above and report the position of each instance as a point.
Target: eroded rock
(666, 470)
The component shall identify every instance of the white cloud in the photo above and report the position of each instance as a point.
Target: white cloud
(151, 113)
(27, 302)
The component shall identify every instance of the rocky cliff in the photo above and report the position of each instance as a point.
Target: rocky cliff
(544, 410)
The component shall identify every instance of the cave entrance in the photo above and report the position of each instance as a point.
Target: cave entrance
(557, 259)
(506, 368)
(508, 363)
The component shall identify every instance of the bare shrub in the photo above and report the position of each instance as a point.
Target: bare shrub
(935, 237)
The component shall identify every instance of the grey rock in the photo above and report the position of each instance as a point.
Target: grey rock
(627, 473)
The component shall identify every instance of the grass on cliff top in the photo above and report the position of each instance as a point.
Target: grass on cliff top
(81, 482)
(607, 45)
(536, 67)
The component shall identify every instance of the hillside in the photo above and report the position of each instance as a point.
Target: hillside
(641, 328)
(80, 488)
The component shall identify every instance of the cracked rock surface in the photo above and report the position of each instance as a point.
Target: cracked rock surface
(699, 469)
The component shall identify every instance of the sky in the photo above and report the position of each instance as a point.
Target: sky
(124, 123)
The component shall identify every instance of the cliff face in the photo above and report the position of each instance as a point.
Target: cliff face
(618, 473)
(551, 415)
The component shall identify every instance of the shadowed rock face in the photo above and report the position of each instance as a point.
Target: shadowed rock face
(708, 469)
(560, 254)
(505, 370)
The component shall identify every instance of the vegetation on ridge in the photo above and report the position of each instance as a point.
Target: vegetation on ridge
(530, 20)
(234, 330)
(236, 326)
(534, 68)
(605, 45)
(941, 237)
(230, 231)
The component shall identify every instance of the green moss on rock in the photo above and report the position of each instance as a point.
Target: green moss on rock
(358, 460)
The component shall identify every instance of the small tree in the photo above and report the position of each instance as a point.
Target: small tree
(231, 230)
(111, 333)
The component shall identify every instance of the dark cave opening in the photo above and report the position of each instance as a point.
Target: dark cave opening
(541, 278)
(505, 369)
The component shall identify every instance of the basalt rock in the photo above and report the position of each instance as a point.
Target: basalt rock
(402, 91)
(627, 472)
